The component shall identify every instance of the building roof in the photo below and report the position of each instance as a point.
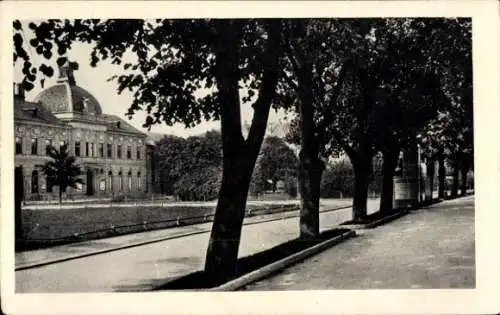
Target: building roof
(67, 96)
(118, 124)
(57, 99)
(34, 112)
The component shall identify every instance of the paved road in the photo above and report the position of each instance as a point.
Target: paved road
(144, 267)
(429, 248)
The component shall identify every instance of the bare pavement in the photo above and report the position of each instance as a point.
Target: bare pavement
(425, 239)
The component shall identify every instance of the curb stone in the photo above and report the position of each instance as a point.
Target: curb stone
(281, 264)
(376, 223)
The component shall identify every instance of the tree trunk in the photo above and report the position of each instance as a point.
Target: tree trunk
(310, 171)
(239, 155)
(441, 174)
(222, 254)
(431, 170)
(311, 167)
(60, 195)
(463, 189)
(361, 175)
(389, 166)
(456, 171)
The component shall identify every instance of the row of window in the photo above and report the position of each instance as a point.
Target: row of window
(90, 149)
(35, 182)
(34, 145)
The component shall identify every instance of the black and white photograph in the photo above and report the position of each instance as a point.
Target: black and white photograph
(265, 154)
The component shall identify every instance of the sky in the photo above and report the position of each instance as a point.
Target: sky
(94, 80)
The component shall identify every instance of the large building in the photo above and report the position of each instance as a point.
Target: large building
(112, 153)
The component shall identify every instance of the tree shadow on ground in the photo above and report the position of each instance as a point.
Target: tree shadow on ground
(201, 280)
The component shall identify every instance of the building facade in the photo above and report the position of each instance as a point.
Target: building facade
(112, 154)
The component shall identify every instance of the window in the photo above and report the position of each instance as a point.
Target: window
(92, 152)
(120, 180)
(34, 182)
(101, 149)
(77, 148)
(129, 152)
(50, 184)
(110, 150)
(19, 146)
(34, 146)
(119, 151)
(130, 181)
(87, 149)
(48, 145)
(139, 184)
(110, 180)
(138, 153)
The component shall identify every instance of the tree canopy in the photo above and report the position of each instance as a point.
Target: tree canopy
(190, 168)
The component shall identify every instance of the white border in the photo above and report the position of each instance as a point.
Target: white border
(483, 299)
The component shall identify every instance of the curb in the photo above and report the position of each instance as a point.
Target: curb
(281, 264)
(376, 223)
(140, 243)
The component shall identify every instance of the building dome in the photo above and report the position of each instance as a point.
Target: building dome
(66, 96)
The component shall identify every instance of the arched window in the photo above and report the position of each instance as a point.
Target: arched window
(34, 182)
(139, 183)
(19, 145)
(129, 180)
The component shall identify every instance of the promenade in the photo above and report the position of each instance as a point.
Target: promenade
(430, 248)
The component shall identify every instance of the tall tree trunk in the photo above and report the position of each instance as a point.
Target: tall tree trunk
(361, 180)
(441, 174)
(464, 170)
(431, 170)
(456, 172)
(222, 254)
(311, 167)
(239, 155)
(388, 168)
(60, 195)
(310, 172)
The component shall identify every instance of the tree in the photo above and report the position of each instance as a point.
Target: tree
(318, 57)
(61, 170)
(170, 152)
(258, 184)
(338, 180)
(450, 135)
(277, 161)
(175, 62)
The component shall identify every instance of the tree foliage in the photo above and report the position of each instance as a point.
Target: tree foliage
(277, 161)
(191, 168)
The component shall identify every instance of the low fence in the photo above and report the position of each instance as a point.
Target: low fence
(71, 225)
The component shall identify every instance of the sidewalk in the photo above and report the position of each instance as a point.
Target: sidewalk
(429, 248)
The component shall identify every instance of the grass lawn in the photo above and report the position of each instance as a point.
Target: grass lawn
(88, 223)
